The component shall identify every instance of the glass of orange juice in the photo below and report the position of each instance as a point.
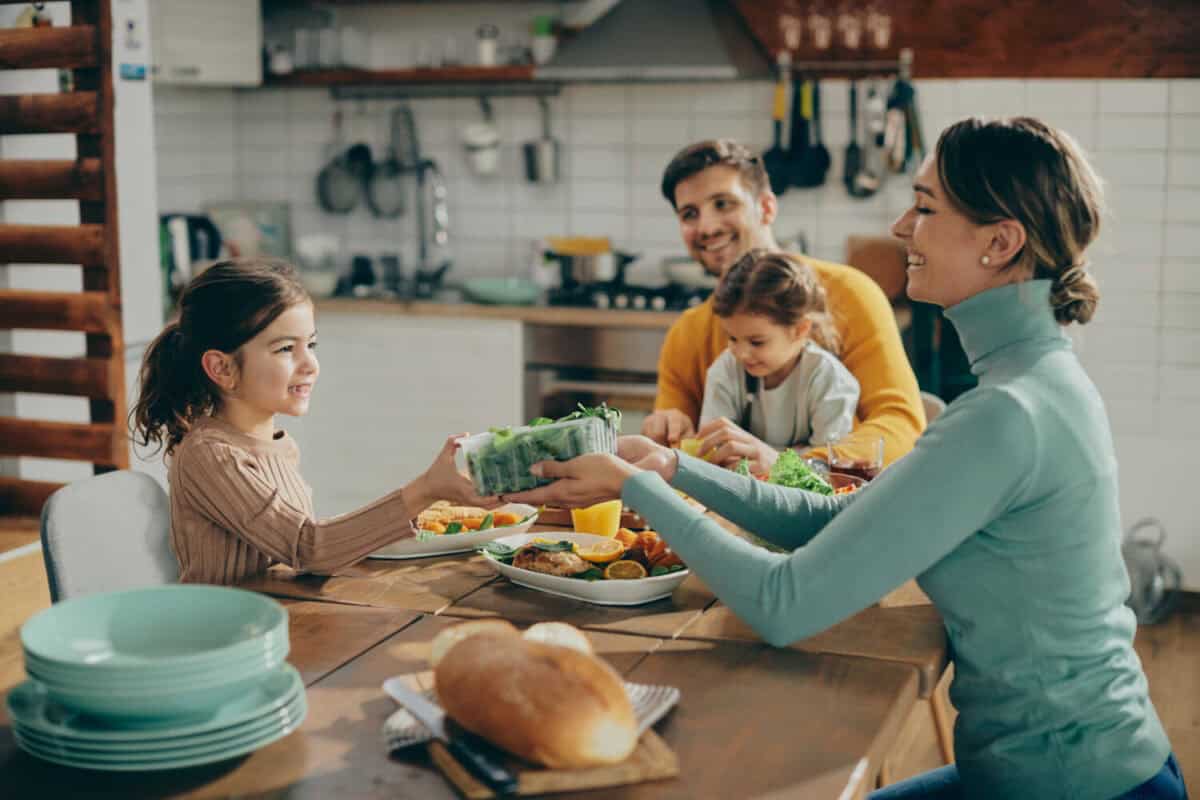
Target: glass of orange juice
(602, 519)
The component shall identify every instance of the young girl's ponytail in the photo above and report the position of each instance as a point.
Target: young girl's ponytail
(221, 309)
(782, 288)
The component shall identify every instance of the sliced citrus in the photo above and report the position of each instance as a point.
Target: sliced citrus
(602, 519)
(601, 552)
(624, 570)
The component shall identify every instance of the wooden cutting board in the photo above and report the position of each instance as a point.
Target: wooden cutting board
(652, 760)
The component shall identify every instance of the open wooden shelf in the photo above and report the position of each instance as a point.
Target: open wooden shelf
(364, 77)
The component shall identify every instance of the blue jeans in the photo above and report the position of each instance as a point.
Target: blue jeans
(943, 784)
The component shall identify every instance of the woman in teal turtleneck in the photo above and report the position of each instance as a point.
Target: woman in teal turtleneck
(1005, 512)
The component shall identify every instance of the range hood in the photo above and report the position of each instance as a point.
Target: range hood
(661, 40)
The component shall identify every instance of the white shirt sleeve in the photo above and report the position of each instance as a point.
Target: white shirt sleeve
(832, 398)
(723, 390)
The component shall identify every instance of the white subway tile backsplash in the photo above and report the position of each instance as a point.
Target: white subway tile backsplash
(1183, 204)
(989, 98)
(740, 128)
(597, 195)
(1135, 204)
(1180, 347)
(598, 223)
(1180, 418)
(599, 131)
(1133, 97)
(1185, 95)
(1115, 344)
(649, 163)
(1080, 127)
(1183, 241)
(1048, 97)
(655, 229)
(934, 96)
(1132, 413)
(1179, 382)
(1131, 132)
(661, 132)
(488, 197)
(1181, 275)
(1184, 169)
(1185, 132)
(1129, 168)
(599, 163)
(589, 99)
(1139, 242)
(540, 198)
(662, 99)
(733, 98)
(1182, 311)
(1130, 309)
(539, 226)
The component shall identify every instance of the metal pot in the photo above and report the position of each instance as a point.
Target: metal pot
(606, 267)
(542, 155)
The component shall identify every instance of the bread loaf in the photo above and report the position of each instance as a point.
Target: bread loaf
(546, 703)
(453, 635)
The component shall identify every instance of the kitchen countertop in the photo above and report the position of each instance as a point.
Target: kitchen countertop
(535, 314)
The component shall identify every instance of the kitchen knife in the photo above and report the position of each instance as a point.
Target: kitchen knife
(470, 750)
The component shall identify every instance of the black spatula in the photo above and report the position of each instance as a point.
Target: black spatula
(775, 160)
(853, 153)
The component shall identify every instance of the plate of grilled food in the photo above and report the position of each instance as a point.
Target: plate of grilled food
(625, 570)
(445, 528)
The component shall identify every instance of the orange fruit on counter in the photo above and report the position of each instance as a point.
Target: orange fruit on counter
(624, 570)
(601, 552)
(602, 519)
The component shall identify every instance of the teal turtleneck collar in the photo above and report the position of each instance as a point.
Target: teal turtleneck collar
(997, 318)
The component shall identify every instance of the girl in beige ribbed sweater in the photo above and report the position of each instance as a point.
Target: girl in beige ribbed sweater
(241, 351)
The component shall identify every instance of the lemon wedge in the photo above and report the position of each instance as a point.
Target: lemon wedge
(601, 552)
(624, 570)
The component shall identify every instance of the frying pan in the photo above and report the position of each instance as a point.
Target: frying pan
(775, 160)
(797, 166)
(338, 186)
(385, 188)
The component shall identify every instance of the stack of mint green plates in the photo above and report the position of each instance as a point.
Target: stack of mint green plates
(156, 678)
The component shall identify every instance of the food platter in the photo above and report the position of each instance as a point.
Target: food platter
(439, 545)
(632, 592)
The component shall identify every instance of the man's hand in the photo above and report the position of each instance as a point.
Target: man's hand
(580, 482)
(724, 443)
(443, 481)
(668, 426)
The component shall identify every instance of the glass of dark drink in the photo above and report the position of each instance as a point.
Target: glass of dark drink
(866, 468)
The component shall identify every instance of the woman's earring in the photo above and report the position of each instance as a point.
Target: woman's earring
(985, 260)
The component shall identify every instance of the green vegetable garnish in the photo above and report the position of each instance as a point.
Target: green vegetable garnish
(454, 527)
(499, 551)
(426, 536)
(487, 522)
(656, 571)
(553, 547)
(541, 421)
(743, 468)
(592, 574)
(790, 470)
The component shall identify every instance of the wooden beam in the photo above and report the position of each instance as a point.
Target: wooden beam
(38, 48)
(74, 441)
(74, 112)
(58, 311)
(53, 244)
(51, 179)
(24, 497)
(81, 377)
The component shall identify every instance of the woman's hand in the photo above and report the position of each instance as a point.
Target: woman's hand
(647, 454)
(443, 481)
(668, 426)
(580, 482)
(727, 444)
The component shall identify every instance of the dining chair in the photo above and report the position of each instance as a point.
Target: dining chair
(934, 406)
(106, 533)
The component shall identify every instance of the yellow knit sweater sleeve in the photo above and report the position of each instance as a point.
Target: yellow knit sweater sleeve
(890, 403)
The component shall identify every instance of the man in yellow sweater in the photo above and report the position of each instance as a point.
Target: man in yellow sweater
(725, 207)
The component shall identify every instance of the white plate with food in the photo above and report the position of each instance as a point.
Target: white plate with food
(444, 528)
(545, 554)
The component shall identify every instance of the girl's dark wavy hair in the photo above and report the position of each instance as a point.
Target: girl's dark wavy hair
(222, 308)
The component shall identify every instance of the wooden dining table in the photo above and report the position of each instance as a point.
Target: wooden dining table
(815, 719)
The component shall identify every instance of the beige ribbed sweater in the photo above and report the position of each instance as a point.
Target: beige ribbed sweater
(239, 504)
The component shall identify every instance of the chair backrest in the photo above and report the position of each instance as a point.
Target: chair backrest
(934, 406)
(106, 533)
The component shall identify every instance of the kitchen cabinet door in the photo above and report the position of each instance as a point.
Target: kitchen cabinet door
(391, 388)
(214, 43)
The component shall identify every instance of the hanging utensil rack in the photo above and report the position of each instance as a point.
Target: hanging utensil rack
(900, 67)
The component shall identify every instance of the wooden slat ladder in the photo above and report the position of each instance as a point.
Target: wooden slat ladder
(90, 178)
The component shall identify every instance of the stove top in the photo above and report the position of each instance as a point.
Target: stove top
(672, 297)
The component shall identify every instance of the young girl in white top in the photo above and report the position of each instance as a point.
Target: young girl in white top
(780, 379)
